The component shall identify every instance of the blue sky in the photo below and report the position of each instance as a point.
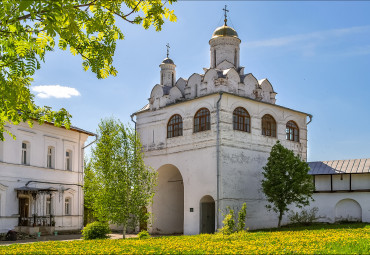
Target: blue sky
(316, 55)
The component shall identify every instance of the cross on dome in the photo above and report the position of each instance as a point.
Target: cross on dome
(168, 49)
(226, 11)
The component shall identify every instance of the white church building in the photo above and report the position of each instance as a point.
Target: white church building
(209, 136)
(41, 178)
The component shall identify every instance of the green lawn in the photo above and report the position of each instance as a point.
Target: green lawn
(317, 239)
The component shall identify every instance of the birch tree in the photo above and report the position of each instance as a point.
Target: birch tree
(120, 185)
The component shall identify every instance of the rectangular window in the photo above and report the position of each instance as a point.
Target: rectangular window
(48, 206)
(67, 208)
(69, 160)
(24, 154)
(50, 160)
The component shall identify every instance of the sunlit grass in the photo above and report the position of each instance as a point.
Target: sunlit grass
(318, 239)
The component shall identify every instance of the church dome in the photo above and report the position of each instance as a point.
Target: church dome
(168, 61)
(225, 31)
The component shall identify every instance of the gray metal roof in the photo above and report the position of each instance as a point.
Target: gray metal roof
(348, 166)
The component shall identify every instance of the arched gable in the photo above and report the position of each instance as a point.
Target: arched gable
(157, 91)
(175, 94)
(268, 94)
(181, 84)
(193, 86)
(210, 75)
(251, 83)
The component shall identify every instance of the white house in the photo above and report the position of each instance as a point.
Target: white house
(41, 178)
(209, 136)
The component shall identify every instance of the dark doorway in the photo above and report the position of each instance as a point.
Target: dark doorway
(207, 215)
(23, 211)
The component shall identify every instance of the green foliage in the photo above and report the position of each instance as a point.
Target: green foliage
(30, 28)
(286, 181)
(304, 217)
(242, 214)
(143, 234)
(117, 183)
(96, 230)
(228, 222)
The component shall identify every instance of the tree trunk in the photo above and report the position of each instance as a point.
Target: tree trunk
(124, 231)
(280, 217)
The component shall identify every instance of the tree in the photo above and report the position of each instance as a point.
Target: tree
(286, 180)
(30, 28)
(118, 185)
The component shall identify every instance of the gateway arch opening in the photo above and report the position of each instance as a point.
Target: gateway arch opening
(168, 202)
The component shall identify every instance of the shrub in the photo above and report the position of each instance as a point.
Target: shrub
(241, 217)
(229, 223)
(143, 234)
(96, 230)
(305, 217)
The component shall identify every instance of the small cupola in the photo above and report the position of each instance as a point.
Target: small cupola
(225, 46)
(168, 70)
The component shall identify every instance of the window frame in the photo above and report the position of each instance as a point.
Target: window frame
(245, 124)
(268, 125)
(68, 205)
(198, 125)
(292, 131)
(25, 157)
(175, 126)
(50, 157)
(68, 160)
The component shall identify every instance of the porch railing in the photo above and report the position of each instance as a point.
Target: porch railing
(36, 221)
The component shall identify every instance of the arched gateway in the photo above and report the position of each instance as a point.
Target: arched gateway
(168, 202)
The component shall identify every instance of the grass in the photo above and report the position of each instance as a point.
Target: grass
(316, 239)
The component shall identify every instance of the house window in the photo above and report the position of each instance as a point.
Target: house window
(69, 160)
(268, 126)
(50, 160)
(48, 206)
(25, 153)
(202, 120)
(67, 206)
(241, 119)
(292, 131)
(174, 126)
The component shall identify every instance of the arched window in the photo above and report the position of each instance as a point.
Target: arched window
(268, 126)
(241, 119)
(292, 131)
(174, 126)
(202, 120)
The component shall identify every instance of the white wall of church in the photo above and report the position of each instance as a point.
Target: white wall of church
(194, 154)
(68, 183)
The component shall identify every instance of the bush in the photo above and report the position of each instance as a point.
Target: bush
(96, 230)
(229, 223)
(305, 217)
(143, 234)
(241, 217)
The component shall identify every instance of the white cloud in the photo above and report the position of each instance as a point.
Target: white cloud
(57, 91)
(303, 39)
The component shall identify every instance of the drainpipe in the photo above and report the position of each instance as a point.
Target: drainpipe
(132, 119)
(218, 159)
(310, 116)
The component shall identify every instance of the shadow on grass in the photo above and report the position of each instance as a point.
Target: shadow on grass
(314, 226)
